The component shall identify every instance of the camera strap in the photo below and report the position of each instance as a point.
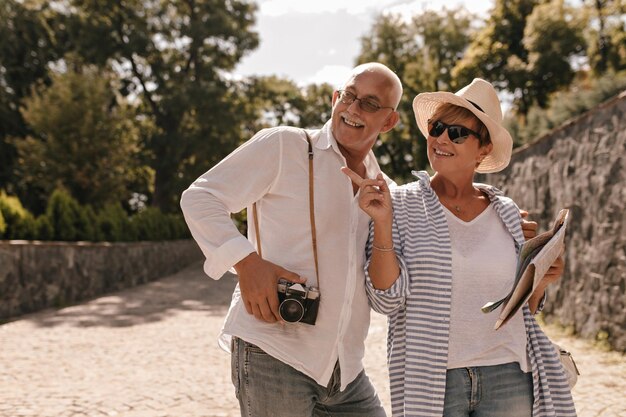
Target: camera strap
(311, 214)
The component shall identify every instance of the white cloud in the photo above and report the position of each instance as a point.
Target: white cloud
(408, 7)
(300, 45)
(335, 75)
(281, 7)
(310, 40)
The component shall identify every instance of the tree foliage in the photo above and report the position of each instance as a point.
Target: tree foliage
(124, 103)
(15, 221)
(316, 105)
(525, 48)
(582, 95)
(172, 56)
(271, 101)
(28, 44)
(606, 35)
(82, 140)
(552, 36)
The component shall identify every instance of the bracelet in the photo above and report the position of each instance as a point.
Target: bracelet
(383, 249)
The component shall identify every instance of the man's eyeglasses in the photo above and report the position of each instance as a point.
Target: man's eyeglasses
(457, 134)
(365, 104)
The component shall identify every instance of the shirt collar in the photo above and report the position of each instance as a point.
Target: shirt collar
(491, 191)
(324, 139)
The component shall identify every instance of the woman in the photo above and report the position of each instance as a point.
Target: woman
(455, 244)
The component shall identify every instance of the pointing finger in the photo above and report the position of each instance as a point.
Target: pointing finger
(382, 183)
(356, 178)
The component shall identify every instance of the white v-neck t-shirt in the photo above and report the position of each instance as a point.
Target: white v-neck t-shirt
(483, 269)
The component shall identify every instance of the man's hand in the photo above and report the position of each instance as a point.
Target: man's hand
(258, 282)
(529, 228)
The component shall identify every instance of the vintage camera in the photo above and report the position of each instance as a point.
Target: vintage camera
(298, 303)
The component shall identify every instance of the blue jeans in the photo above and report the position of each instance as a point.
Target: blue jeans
(267, 387)
(489, 391)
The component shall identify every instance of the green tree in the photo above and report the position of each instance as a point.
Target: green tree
(606, 35)
(525, 48)
(269, 101)
(82, 139)
(442, 38)
(15, 221)
(173, 56)
(3, 225)
(552, 36)
(66, 217)
(583, 94)
(29, 42)
(316, 105)
(497, 47)
(113, 223)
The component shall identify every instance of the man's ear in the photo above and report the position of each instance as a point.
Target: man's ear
(335, 97)
(391, 122)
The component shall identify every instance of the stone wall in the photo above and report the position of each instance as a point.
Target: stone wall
(37, 275)
(581, 165)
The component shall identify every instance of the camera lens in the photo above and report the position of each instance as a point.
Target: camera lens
(291, 310)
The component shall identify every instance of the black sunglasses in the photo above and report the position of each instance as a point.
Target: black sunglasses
(457, 134)
(365, 104)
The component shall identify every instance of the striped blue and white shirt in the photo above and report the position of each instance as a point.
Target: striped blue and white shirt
(418, 308)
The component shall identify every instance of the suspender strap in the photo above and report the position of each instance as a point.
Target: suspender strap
(256, 229)
(312, 209)
(311, 214)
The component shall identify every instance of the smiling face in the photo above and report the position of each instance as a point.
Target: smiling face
(449, 158)
(356, 130)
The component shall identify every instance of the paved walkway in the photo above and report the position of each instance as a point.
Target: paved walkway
(151, 351)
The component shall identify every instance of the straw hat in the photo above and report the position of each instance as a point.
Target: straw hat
(481, 99)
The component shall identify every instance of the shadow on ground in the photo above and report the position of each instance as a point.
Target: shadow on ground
(187, 290)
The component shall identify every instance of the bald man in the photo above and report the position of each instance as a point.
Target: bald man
(299, 315)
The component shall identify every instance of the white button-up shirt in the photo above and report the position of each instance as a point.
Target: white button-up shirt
(272, 169)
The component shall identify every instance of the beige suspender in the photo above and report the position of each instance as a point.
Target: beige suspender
(311, 214)
(256, 229)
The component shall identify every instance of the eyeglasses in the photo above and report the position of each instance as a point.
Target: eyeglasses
(457, 134)
(365, 104)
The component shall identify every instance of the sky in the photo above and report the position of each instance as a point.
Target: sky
(314, 41)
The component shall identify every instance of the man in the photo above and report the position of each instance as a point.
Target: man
(298, 369)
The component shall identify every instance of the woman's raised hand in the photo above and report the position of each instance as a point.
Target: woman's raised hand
(374, 196)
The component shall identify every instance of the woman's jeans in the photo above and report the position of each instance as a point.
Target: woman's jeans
(489, 391)
(267, 387)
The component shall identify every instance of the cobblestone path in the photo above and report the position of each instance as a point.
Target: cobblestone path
(151, 351)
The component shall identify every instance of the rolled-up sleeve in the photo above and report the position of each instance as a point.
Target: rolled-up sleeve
(389, 300)
(232, 185)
